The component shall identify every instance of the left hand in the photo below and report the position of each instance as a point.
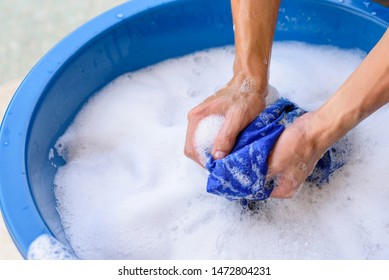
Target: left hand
(239, 102)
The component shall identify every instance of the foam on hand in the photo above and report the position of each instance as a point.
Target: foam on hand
(205, 135)
(128, 192)
(272, 95)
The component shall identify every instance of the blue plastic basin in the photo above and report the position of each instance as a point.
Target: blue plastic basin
(126, 38)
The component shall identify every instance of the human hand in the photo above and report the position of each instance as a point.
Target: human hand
(240, 102)
(294, 156)
(302, 144)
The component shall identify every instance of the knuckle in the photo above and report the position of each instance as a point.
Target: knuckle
(190, 114)
(188, 152)
(284, 188)
(194, 113)
(289, 195)
(291, 192)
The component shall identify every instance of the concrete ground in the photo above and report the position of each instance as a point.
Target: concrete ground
(28, 30)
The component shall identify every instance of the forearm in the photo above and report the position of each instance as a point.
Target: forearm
(243, 97)
(366, 90)
(254, 23)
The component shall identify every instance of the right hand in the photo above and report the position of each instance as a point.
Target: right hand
(295, 155)
(240, 102)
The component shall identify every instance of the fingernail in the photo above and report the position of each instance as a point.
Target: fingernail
(219, 155)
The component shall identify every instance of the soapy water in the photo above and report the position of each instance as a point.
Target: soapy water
(46, 247)
(128, 192)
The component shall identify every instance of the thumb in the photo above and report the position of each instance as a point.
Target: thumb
(226, 138)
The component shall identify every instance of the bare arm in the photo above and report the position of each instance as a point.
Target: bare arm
(363, 93)
(243, 98)
(254, 22)
(302, 144)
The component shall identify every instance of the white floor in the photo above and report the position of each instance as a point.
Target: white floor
(28, 30)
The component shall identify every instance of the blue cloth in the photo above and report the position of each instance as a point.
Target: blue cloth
(242, 174)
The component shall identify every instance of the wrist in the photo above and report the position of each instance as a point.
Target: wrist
(249, 85)
(252, 66)
(331, 122)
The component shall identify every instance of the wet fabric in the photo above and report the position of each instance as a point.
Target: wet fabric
(242, 174)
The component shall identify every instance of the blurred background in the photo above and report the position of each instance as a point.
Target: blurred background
(29, 28)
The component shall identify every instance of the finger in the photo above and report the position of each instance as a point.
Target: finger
(271, 169)
(285, 187)
(226, 138)
(276, 162)
(189, 148)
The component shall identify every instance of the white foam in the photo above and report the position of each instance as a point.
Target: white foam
(46, 247)
(205, 135)
(272, 95)
(128, 192)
